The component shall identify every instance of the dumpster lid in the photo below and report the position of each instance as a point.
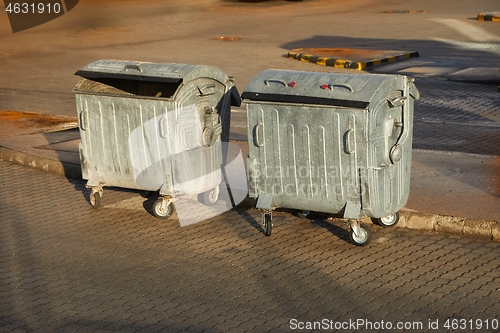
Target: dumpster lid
(320, 88)
(147, 71)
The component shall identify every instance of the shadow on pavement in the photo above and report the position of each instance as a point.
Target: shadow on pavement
(454, 51)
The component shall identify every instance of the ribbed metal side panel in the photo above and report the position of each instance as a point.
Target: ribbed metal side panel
(336, 165)
(303, 164)
(279, 164)
(305, 170)
(259, 132)
(323, 168)
(292, 182)
(352, 158)
(116, 138)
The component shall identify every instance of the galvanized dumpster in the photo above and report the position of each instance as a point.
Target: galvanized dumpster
(153, 127)
(330, 142)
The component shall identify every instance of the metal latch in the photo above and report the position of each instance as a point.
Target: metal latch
(396, 102)
(206, 90)
(395, 154)
(213, 126)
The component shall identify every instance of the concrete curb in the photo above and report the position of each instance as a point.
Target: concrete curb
(488, 230)
(64, 169)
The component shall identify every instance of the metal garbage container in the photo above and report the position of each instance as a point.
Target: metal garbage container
(153, 127)
(330, 142)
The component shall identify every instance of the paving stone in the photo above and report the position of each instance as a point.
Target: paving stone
(121, 268)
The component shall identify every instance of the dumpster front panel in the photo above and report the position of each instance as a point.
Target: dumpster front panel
(152, 143)
(304, 164)
(116, 147)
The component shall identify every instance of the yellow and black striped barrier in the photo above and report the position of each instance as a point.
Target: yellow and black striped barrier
(495, 17)
(349, 58)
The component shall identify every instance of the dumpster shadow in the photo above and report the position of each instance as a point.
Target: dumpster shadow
(315, 218)
(249, 218)
(334, 227)
(58, 149)
(79, 185)
(189, 209)
(149, 202)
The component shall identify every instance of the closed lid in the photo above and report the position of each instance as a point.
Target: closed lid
(338, 89)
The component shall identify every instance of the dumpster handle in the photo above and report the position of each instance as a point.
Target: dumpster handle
(396, 102)
(163, 123)
(348, 141)
(276, 81)
(83, 119)
(256, 135)
(136, 67)
(341, 85)
(405, 113)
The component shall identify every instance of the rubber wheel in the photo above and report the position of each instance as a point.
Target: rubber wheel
(363, 238)
(160, 212)
(209, 198)
(303, 213)
(388, 221)
(95, 199)
(267, 224)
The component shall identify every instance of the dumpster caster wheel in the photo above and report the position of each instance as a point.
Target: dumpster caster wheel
(163, 209)
(95, 199)
(303, 213)
(267, 224)
(362, 236)
(387, 221)
(209, 198)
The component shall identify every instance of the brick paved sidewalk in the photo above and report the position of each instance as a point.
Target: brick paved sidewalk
(65, 267)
